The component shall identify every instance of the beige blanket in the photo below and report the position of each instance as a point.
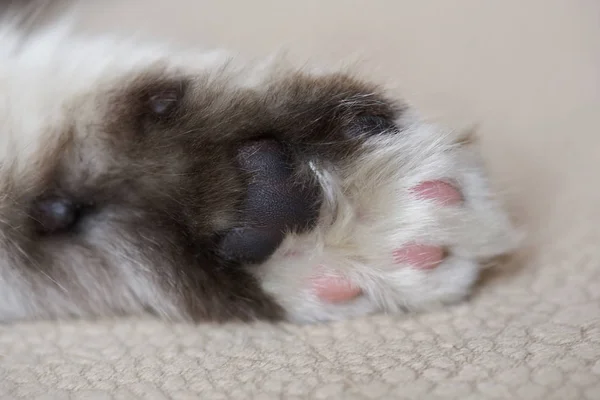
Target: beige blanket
(528, 73)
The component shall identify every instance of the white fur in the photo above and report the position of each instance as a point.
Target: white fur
(52, 80)
(377, 187)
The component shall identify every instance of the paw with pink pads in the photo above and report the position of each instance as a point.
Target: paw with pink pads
(401, 216)
(393, 235)
(338, 289)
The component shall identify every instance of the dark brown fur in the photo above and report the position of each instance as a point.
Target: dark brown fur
(173, 187)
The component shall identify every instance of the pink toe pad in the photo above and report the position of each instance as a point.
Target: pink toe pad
(419, 256)
(332, 289)
(441, 191)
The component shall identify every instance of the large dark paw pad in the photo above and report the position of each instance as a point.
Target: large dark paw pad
(275, 204)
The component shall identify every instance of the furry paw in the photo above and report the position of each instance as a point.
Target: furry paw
(406, 224)
(139, 179)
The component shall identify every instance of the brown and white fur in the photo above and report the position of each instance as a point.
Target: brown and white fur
(160, 157)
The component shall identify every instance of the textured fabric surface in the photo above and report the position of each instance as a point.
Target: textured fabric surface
(528, 73)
